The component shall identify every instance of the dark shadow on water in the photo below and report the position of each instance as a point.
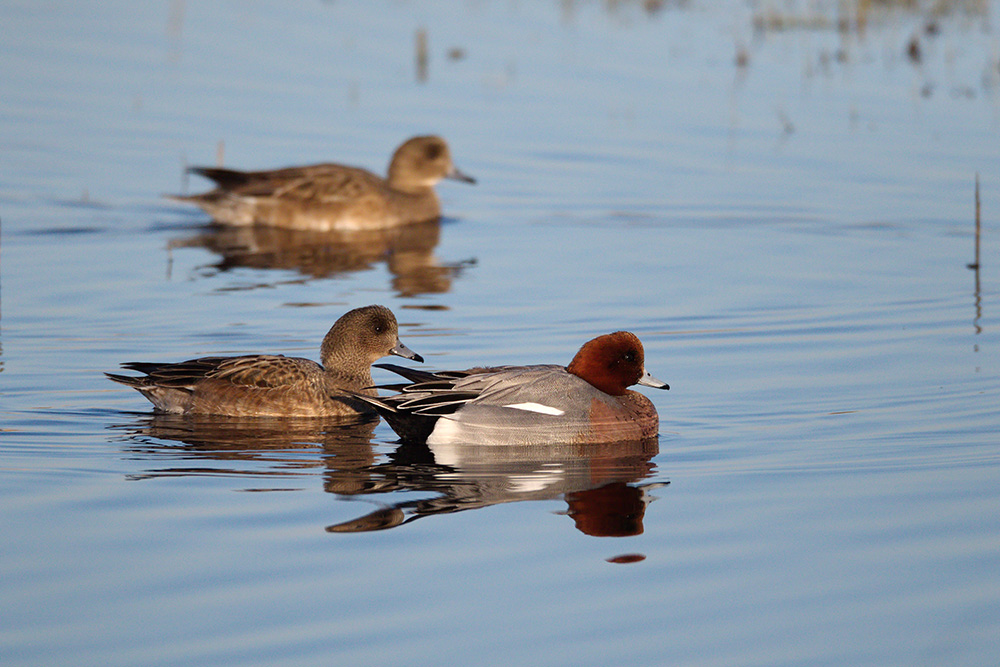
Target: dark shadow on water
(407, 251)
(600, 483)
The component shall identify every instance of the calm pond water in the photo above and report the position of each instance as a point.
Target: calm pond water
(779, 198)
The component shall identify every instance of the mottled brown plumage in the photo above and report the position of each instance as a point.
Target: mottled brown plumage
(267, 385)
(326, 197)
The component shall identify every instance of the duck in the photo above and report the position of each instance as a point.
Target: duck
(588, 401)
(273, 385)
(333, 197)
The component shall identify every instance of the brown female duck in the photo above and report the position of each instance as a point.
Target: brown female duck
(269, 385)
(326, 197)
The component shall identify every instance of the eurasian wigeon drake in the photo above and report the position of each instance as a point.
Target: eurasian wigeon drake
(327, 197)
(269, 385)
(588, 401)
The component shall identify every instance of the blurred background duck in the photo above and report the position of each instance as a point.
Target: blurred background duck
(327, 197)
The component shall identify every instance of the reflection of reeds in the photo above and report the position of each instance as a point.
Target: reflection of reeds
(422, 57)
(856, 15)
(921, 22)
(975, 265)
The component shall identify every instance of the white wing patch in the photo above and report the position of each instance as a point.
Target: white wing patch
(537, 407)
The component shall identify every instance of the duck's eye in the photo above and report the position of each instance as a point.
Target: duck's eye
(630, 356)
(433, 152)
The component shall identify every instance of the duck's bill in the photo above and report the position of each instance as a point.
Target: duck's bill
(401, 350)
(456, 175)
(648, 380)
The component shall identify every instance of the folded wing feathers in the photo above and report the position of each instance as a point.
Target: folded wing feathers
(391, 387)
(226, 178)
(441, 403)
(178, 375)
(440, 396)
(442, 393)
(258, 371)
(411, 374)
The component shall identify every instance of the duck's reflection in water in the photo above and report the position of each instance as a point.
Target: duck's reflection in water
(266, 448)
(598, 482)
(601, 483)
(408, 252)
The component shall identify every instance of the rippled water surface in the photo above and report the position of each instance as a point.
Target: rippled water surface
(778, 198)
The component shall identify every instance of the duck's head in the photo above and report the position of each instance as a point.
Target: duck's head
(613, 363)
(421, 162)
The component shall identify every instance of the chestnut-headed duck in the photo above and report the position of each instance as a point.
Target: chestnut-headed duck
(269, 385)
(328, 197)
(585, 402)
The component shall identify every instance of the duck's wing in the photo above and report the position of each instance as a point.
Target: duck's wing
(230, 179)
(266, 370)
(227, 179)
(316, 183)
(262, 370)
(416, 375)
(441, 393)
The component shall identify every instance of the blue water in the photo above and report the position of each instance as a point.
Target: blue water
(789, 238)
